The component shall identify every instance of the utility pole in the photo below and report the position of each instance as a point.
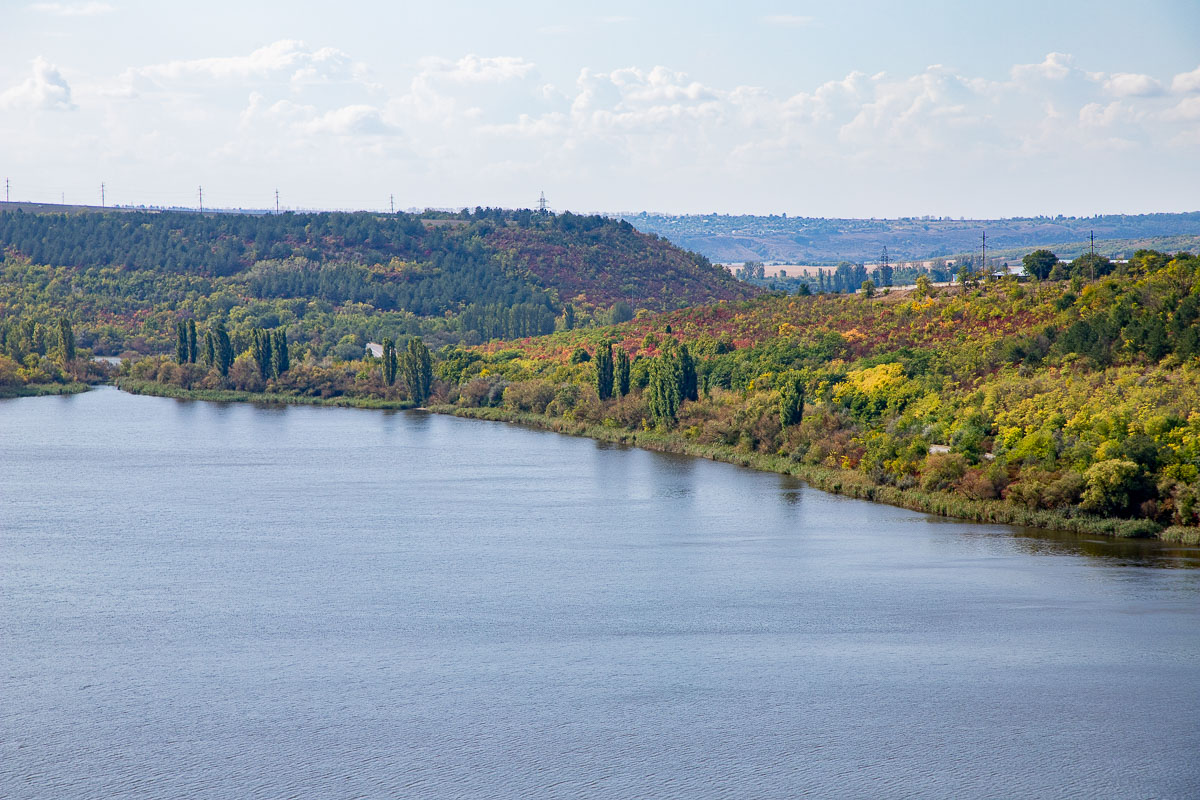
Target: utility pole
(276, 201)
(102, 195)
(201, 190)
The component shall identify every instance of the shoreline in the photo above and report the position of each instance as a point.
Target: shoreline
(44, 390)
(842, 482)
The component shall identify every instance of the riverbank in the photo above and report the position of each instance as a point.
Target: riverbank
(843, 482)
(42, 390)
(155, 389)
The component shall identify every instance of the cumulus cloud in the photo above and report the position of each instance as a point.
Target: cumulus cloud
(1128, 84)
(1187, 81)
(286, 59)
(45, 89)
(90, 9)
(1055, 66)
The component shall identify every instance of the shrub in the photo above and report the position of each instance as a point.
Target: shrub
(942, 470)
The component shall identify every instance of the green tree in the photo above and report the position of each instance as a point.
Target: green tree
(181, 347)
(210, 349)
(66, 340)
(791, 398)
(224, 348)
(193, 354)
(389, 362)
(417, 368)
(1039, 264)
(868, 288)
(260, 348)
(281, 360)
(924, 287)
(621, 373)
(664, 389)
(688, 385)
(604, 371)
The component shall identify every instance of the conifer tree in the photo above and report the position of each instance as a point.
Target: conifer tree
(604, 371)
(621, 376)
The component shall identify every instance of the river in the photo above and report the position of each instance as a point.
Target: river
(209, 600)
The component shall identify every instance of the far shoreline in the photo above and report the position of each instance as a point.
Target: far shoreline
(841, 482)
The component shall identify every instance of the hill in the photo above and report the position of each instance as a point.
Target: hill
(126, 277)
(725, 238)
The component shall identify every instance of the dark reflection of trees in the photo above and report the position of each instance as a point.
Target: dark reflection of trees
(1114, 552)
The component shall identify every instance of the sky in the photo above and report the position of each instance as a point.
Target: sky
(830, 109)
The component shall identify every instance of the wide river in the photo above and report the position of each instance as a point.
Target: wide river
(202, 600)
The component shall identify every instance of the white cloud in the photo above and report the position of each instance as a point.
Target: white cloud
(1127, 84)
(1188, 110)
(1187, 81)
(45, 89)
(285, 59)
(90, 9)
(790, 20)
(1055, 66)
(1096, 115)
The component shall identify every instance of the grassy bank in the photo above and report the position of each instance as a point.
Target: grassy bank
(156, 389)
(42, 390)
(843, 482)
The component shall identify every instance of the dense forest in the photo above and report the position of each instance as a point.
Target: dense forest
(124, 278)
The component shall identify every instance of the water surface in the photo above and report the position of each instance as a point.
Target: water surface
(206, 600)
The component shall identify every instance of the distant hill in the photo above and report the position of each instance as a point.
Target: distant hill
(466, 276)
(816, 240)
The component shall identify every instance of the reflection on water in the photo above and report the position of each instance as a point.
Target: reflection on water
(228, 601)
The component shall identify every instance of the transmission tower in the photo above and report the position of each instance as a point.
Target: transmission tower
(392, 202)
(201, 191)
(276, 201)
(6, 191)
(543, 208)
(102, 195)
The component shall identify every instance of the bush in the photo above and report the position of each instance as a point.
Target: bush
(942, 470)
(1110, 486)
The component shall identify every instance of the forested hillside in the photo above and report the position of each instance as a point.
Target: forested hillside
(124, 278)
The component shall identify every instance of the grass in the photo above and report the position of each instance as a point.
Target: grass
(156, 389)
(42, 390)
(844, 482)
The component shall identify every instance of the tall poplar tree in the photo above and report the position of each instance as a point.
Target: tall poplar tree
(417, 368)
(193, 355)
(181, 348)
(210, 349)
(604, 371)
(390, 363)
(664, 391)
(260, 346)
(281, 360)
(621, 375)
(66, 340)
(224, 348)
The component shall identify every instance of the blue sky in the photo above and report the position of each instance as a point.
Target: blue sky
(822, 109)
